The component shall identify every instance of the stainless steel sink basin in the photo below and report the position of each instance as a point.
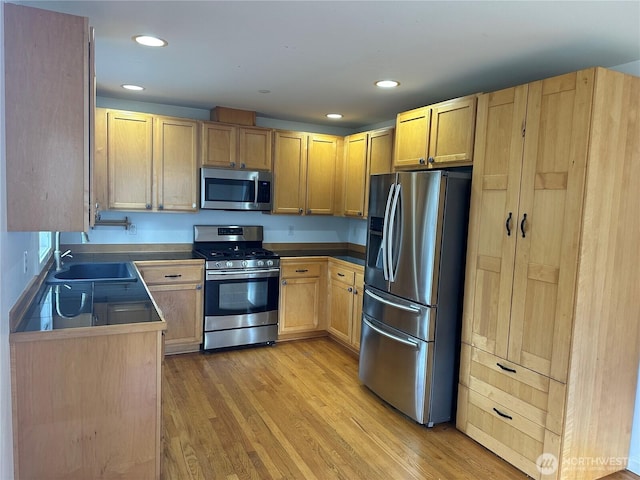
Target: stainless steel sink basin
(95, 272)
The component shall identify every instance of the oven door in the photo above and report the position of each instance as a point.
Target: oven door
(241, 299)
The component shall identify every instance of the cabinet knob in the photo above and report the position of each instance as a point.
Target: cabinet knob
(432, 160)
(284, 282)
(242, 165)
(160, 207)
(148, 206)
(199, 287)
(421, 160)
(350, 289)
(359, 214)
(233, 164)
(300, 211)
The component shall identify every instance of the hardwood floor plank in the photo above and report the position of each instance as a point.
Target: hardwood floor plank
(297, 411)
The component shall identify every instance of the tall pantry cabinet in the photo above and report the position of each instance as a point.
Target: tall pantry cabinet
(551, 336)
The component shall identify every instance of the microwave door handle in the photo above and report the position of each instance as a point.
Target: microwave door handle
(391, 233)
(378, 298)
(255, 190)
(385, 233)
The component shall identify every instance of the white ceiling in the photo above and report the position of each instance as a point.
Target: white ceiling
(317, 57)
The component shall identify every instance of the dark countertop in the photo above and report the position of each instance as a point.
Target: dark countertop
(345, 255)
(91, 304)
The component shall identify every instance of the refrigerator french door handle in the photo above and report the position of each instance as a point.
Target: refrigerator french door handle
(385, 233)
(392, 304)
(392, 337)
(390, 232)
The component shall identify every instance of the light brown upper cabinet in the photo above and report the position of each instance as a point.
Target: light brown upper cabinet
(48, 103)
(232, 146)
(305, 172)
(145, 162)
(437, 135)
(366, 154)
(550, 317)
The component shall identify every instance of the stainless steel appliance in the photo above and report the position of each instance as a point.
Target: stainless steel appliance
(224, 189)
(413, 287)
(241, 286)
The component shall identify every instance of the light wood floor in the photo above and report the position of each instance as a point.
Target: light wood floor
(297, 411)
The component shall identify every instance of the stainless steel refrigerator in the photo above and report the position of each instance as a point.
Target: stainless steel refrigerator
(414, 271)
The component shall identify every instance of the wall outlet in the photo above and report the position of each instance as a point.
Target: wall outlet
(133, 229)
(25, 263)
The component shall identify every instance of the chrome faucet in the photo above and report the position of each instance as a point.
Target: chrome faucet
(57, 255)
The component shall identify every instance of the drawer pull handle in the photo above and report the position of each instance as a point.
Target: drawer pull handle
(506, 369)
(302, 270)
(522, 224)
(508, 224)
(177, 275)
(503, 415)
(340, 274)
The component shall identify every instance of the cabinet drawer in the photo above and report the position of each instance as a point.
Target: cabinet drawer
(341, 274)
(507, 433)
(166, 273)
(300, 270)
(529, 394)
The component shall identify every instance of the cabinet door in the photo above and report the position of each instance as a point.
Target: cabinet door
(355, 174)
(322, 156)
(380, 157)
(549, 221)
(254, 148)
(175, 163)
(453, 126)
(493, 219)
(299, 309)
(46, 119)
(358, 292)
(129, 160)
(219, 145)
(412, 138)
(290, 172)
(181, 306)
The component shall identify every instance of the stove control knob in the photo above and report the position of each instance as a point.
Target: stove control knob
(260, 263)
(229, 264)
(270, 263)
(217, 264)
(244, 263)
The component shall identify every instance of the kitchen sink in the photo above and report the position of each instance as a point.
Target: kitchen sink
(95, 272)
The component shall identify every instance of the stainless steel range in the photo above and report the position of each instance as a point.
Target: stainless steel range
(241, 286)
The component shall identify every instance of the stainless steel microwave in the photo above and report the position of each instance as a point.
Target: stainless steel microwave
(222, 189)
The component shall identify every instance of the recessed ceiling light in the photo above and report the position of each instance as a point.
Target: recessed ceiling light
(334, 116)
(150, 41)
(387, 83)
(132, 87)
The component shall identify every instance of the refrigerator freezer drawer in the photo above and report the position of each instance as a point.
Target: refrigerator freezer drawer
(396, 367)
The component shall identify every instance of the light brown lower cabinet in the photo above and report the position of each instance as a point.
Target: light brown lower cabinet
(301, 312)
(345, 290)
(87, 402)
(177, 288)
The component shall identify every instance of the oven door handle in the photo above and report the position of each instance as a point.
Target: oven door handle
(252, 274)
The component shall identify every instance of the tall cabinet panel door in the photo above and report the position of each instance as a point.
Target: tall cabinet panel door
(354, 174)
(175, 164)
(549, 221)
(130, 154)
(321, 164)
(290, 174)
(492, 228)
